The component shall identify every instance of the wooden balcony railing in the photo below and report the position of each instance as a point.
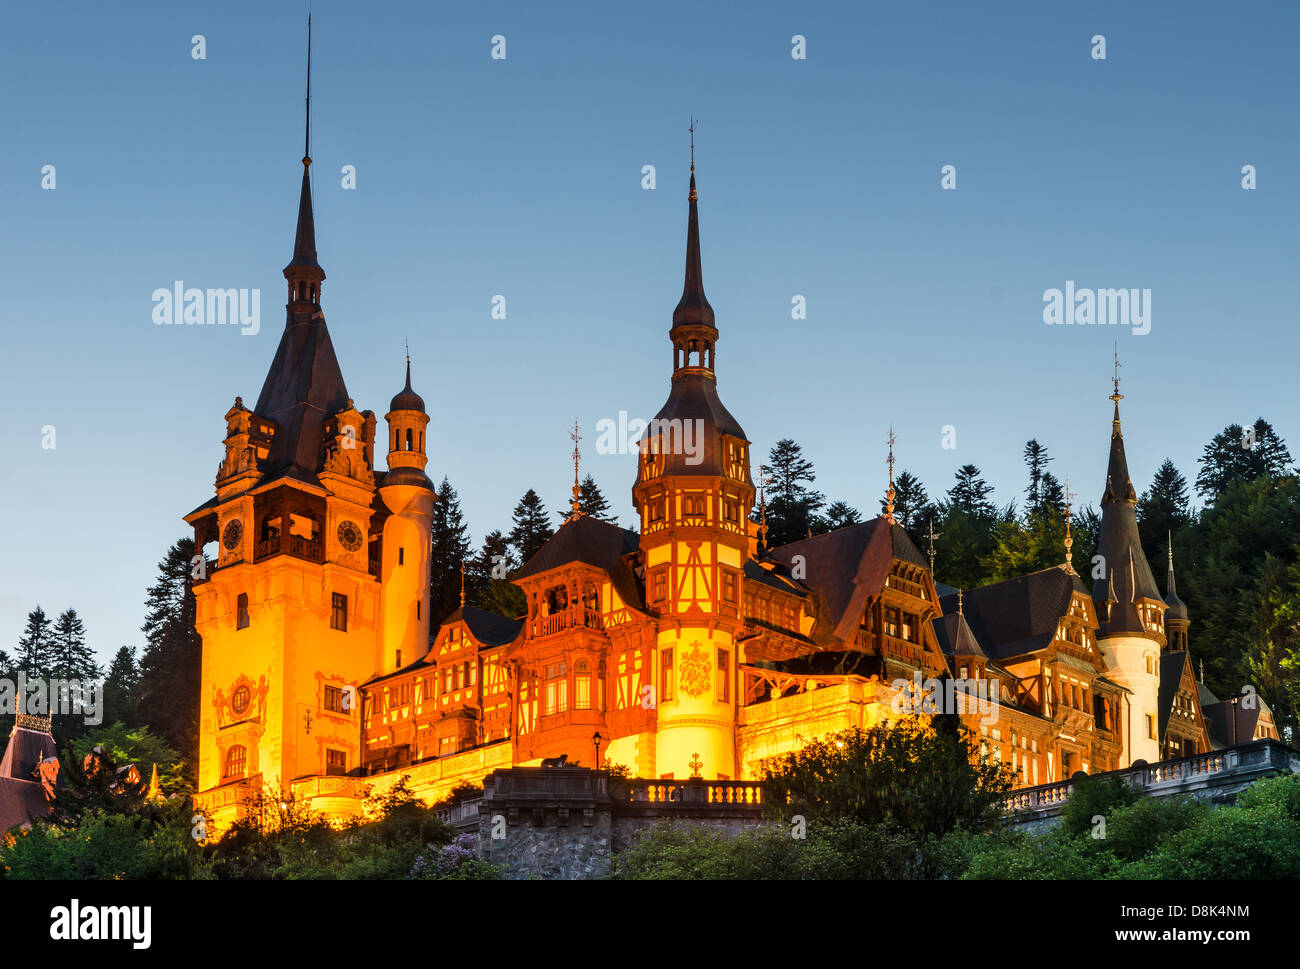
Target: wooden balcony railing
(570, 618)
(297, 546)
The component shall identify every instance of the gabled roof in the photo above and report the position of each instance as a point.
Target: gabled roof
(1172, 665)
(844, 568)
(487, 628)
(593, 542)
(1019, 615)
(1220, 717)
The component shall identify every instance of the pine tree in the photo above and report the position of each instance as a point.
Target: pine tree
(1051, 499)
(450, 548)
(487, 581)
(170, 663)
(591, 500)
(1233, 453)
(1162, 509)
(1036, 460)
(36, 645)
(792, 507)
(72, 658)
(531, 529)
(839, 514)
(971, 492)
(120, 688)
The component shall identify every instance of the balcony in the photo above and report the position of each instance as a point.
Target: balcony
(574, 617)
(296, 545)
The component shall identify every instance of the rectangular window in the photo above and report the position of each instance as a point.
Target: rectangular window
(666, 675)
(241, 609)
(659, 586)
(731, 511)
(336, 761)
(339, 612)
(724, 676)
(693, 506)
(1151, 726)
(728, 586)
(334, 699)
(401, 556)
(555, 699)
(657, 510)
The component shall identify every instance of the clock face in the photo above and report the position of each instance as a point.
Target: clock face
(233, 535)
(350, 536)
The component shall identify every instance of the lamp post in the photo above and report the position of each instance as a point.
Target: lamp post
(596, 740)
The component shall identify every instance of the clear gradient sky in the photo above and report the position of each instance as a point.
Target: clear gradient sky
(522, 177)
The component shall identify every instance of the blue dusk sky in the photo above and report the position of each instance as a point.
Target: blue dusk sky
(818, 177)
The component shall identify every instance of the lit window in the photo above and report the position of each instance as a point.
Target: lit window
(659, 588)
(728, 585)
(581, 686)
(556, 695)
(334, 699)
(339, 612)
(1151, 726)
(666, 675)
(336, 761)
(236, 759)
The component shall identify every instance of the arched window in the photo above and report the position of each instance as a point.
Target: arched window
(581, 685)
(236, 759)
(408, 440)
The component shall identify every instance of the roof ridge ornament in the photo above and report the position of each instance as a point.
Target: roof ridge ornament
(891, 493)
(576, 505)
(1069, 538)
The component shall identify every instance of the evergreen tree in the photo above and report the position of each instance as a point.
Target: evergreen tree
(839, 514)
(531, 530)
(491, 589)
(1051, 496)
(36, 645)
(1036, 459)
(1233, 453)
(792, 507)
(121, 687)
(170, 662)
(591, 500)
(1162, 509)
(71, 657)
(971, 492)
(450, 548)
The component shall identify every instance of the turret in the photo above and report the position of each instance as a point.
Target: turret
(404, 570)
(1129, 607)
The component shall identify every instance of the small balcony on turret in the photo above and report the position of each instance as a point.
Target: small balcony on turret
(570, 617)
(288, 522)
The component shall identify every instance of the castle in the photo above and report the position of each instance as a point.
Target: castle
(685, 648)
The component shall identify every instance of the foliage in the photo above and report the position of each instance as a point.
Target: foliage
(1232, 455)
(792, 506)
(170, 662)
(450, 549)
(920, 775)
(530, 530)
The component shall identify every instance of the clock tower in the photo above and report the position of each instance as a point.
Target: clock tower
(289, 612)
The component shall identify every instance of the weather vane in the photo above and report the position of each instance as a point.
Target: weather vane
(1069, 540)
(1117, 396)
(931, 534)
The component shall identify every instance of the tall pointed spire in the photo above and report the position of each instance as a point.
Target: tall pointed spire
(1128, 575)
(305, 383)
(694, 331)
(304, 242)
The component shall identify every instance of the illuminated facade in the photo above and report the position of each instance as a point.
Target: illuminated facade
(686, 648)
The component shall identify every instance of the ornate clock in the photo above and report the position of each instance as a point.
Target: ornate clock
(350, 536)
(233, 535)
